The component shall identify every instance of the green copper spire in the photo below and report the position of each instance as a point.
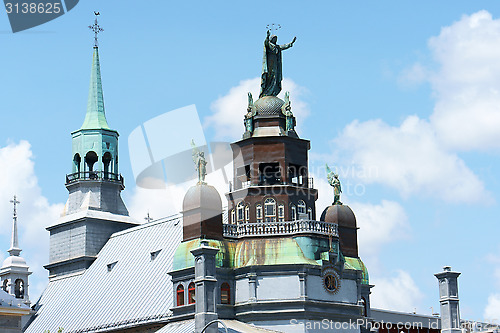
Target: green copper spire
(95, 117)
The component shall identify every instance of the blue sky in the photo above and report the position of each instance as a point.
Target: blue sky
(402, 97)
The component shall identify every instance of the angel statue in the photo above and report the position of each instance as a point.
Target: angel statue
(333, 180)
(200, 162)
(250, 114)
(286, 109)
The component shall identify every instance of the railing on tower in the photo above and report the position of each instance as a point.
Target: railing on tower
(259, 229)
(306, 182)
(94, 175)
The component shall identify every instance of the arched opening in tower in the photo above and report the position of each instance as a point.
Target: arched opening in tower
(106, 162)
(19, 288)
(76, 163)
(90, 160)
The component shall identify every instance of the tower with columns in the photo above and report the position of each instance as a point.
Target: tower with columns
(95, 209)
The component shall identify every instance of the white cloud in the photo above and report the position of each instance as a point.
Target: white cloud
(165, 202)
(229, 110)
(398, 292)
(379, 225)
(17, 176)
(492, 310)
(466, 83)
(410, 159)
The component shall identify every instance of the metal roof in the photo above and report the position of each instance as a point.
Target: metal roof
(95, 117)
(233, 326)
(8, 301)
(135, 290)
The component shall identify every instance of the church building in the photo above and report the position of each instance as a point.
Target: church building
(276, 264)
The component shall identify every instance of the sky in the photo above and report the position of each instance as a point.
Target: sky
(402, 98)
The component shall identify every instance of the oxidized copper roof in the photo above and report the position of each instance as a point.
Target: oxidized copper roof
(268, 106)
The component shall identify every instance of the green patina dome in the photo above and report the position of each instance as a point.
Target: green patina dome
(265, 252)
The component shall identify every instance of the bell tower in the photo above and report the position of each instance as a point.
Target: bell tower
(94, 209)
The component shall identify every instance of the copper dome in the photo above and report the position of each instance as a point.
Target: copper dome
(202, 196)
(340, 214)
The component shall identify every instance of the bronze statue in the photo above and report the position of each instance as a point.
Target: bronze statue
(200, 163)
(272, 75)
(286, 109)
(250, 114)
(333, 180)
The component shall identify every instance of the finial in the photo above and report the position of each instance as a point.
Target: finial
(15, 202)
(96, 28)
(148, 218)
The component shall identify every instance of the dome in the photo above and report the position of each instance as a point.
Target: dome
(340, 214)
(15, 261)
(268, 106)
(202, 196)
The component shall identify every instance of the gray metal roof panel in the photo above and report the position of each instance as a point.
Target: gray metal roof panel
(137, 289)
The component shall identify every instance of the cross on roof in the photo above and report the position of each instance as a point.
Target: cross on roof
(148, 218)
(15, 202)
(96, 28)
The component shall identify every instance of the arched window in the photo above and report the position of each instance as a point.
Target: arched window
(191, 293)
(90, 160)
(225, 293)
(5, 285)
(240, 212)
(281, 213)
(233, 217)
(19, 288)
(270, 210)
(76, 163)
(106, 163)
(293, 213)
(247, 213)
(180, 295)
(258, 212)
(301, 207)
(310, 213)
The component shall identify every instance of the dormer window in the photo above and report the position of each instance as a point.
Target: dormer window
(155, 254)
(111, 266)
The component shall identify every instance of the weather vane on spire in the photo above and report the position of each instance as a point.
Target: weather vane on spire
(15, 202)
(96, 28)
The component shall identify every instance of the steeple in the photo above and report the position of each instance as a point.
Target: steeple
(14, 271)
(94, 209)
(14, 243)
(95, 117)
